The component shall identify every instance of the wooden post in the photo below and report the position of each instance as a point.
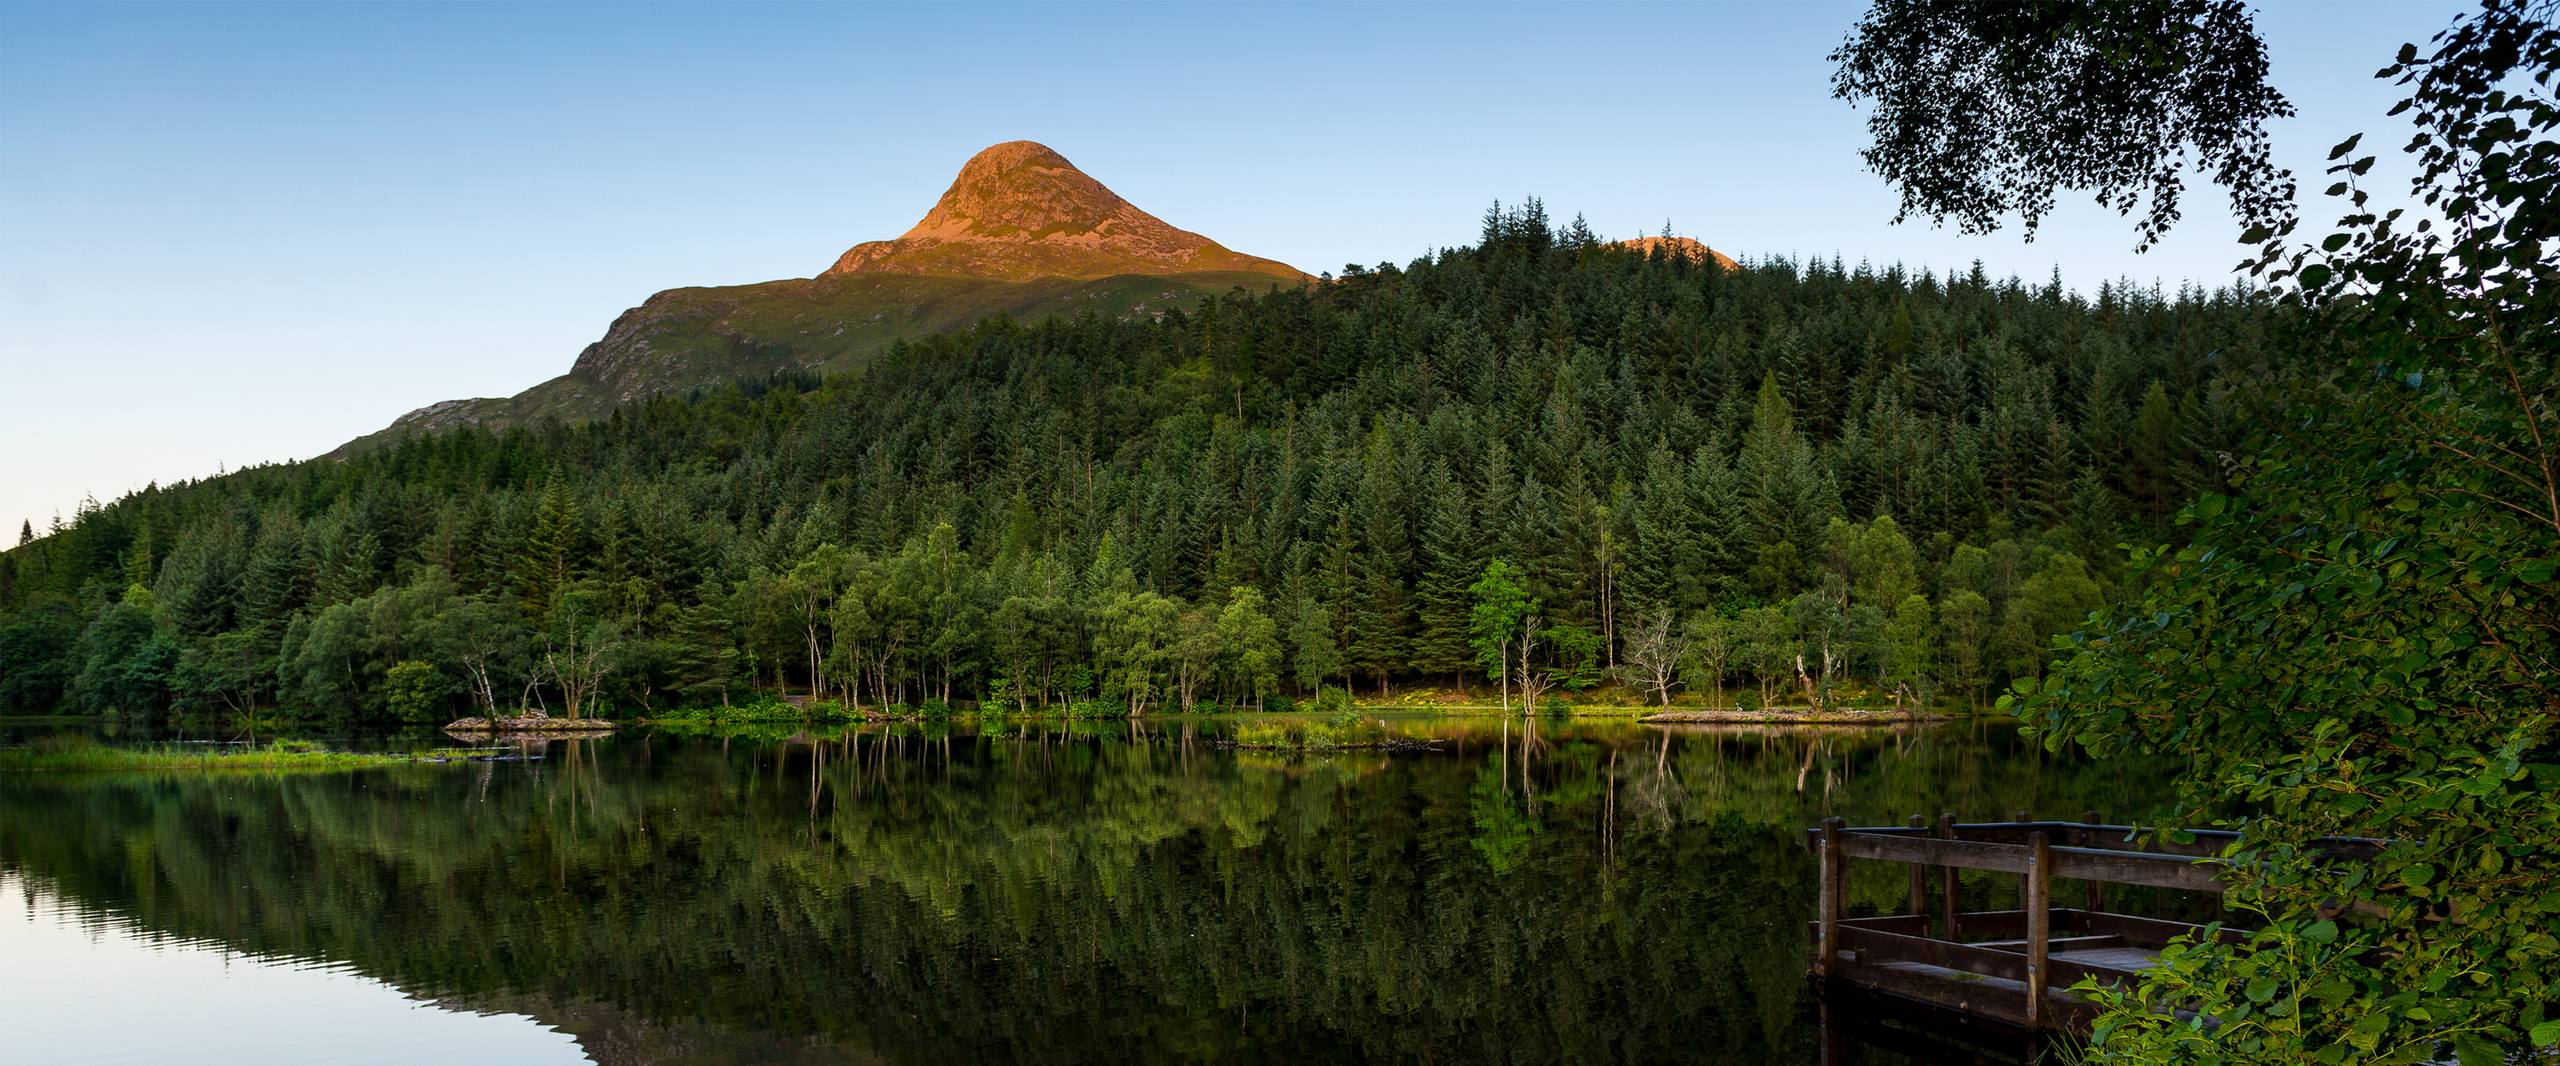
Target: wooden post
(2039, 924)
(2097, 889)
(1834, 869)
(1919, 876)
(1947, 877)
(2020, 818)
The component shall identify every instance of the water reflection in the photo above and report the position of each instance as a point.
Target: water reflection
(91, 987)
(1545, 891)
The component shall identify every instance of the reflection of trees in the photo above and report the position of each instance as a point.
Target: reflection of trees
(1039, 897)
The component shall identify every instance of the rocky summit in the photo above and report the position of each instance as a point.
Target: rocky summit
(1021, 231)
(1683, 247)
(1019, 210)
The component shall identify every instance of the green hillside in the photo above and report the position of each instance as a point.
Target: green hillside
(694, 338)
(1903, 481)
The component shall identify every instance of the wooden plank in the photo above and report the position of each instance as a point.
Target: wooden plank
(2057, 944)
(1919, 874)
(2138, 868)
(2039, 891)
(1969, 854)
(1994, 999)
(1905, 924)
(2152, 932)
(2085, 864)
(1947, 879)
(2127, 961)
(1875, 947)
(1827, 915)
(2113, 837)
(2095, 891)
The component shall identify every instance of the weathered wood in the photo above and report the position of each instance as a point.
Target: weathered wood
(1905, 924)
(2095, 889)
(2022, 818)
(2039, 888)
(2153, 932)
(1947, 878)
(1989, 998)
(1997, 999)
(2109, 837)
(2020, 970)
(1969, 854)
(2057, 944)
(2109, 963)
(2138, 868)
(2121, 867)
(1872, 947)
(1919, 874)
(1908, 924)
(1834, 878)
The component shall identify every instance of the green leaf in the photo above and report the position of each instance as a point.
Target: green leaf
(2323, 931)
(2546, 1034)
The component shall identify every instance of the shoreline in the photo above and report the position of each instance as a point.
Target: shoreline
(1791, 716)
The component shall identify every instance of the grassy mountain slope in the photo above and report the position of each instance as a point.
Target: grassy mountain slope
(692, 338)
(1020, 232)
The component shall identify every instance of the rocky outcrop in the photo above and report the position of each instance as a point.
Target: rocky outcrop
(1021, 232)
(1019, 210)
(1685, 247)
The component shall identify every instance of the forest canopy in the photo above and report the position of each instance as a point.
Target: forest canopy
(1909, 482)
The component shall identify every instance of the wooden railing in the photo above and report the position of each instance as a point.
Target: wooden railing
(2039, 852)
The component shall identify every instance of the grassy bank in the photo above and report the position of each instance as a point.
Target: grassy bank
(83, 754)
(1796, 715)
(1345, 731)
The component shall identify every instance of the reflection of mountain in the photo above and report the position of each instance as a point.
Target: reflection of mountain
(981, 898)
(611, 1036)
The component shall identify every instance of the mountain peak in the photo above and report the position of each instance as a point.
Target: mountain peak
(1019, 210)
(1685, 247)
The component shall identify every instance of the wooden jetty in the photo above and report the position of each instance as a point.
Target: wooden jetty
(2011, 966)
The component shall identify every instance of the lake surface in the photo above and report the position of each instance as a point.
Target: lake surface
(1594, 892)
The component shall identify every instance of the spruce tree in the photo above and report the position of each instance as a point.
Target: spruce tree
(550, 550)
(1451, 560)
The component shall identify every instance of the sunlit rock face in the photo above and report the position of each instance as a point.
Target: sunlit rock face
(1685, 247)
(1019, 211)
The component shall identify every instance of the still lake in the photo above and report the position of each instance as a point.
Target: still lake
(1578, 891)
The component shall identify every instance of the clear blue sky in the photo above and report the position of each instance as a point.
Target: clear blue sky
(235, 234)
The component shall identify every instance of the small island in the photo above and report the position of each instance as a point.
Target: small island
(529, 725)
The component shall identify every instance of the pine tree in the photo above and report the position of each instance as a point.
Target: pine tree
(1379, 615)
(1783, 496)
(2151, 473)
(1664, 522)
(1451, 559)
(550, 550)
